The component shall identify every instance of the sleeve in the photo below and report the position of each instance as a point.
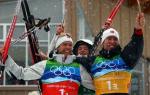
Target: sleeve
(133, 50)
(52, 46)
(29, 73)
(86, 79)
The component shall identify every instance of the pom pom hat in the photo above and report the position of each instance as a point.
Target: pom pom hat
(62, 39)
(109, 32)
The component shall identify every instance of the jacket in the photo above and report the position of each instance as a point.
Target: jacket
(39, 71)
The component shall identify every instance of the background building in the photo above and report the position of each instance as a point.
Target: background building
(82, 19)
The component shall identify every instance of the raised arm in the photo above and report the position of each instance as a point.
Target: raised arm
(133, 50)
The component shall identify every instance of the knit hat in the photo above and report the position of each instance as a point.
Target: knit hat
(62, 39)
(109, 32)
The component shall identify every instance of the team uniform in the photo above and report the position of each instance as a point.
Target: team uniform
(57, 77)
(112, 71)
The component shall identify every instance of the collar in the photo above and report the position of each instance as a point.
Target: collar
(110, 53)
(61, 58)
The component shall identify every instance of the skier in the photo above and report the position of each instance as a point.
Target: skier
(111, 69)
(60, 75)
(82, 48)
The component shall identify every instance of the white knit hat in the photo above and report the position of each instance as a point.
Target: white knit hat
(109, 32)
(62, 39)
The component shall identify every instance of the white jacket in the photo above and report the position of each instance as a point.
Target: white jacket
(36, 71)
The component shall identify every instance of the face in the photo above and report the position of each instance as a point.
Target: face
(110, 43)
(83, 50)
(65, 48)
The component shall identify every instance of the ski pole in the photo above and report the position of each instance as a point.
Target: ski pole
(111, 16)
(139, 6)
(11, 31)
(115, 10)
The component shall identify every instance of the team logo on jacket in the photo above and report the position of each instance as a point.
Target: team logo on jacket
(62, 70)
(56, 72)
(103, 66)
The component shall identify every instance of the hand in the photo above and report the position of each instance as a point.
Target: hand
(1, 50)
(59, 29)
(140, 21)
(42, 55)
(107, 24)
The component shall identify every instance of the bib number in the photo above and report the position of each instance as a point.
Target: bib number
(113, 82)
(62, 92)
(112, 86)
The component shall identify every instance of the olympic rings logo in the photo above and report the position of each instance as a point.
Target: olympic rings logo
(62, 70)
(115, 64)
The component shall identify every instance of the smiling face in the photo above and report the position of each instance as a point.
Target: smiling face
(83, 50)
(65, 48)
(110, 43)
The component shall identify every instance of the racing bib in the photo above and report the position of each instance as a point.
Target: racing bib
(60, 88)
(113, 82)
